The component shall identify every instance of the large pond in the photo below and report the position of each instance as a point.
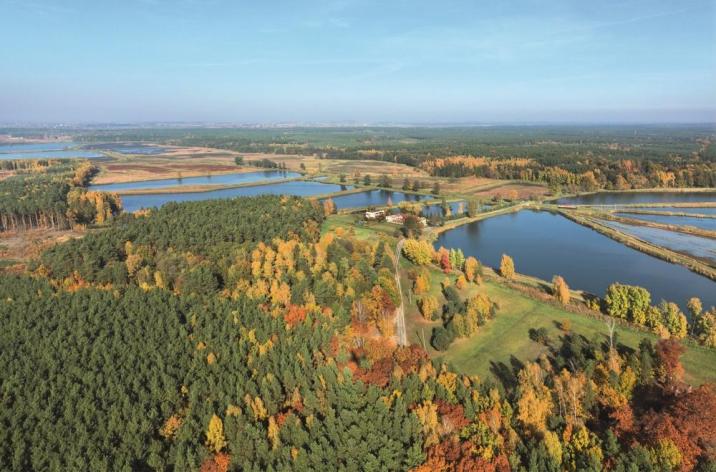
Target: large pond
(54, 150)
(696, 246)
(703, 223)
(298, 188)
(223, 179)
(625, 198)
(544, 244)
(371, 198)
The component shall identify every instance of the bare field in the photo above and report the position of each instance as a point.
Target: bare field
(184, 162)
(512, 191)
(341, 166)
(24, 245)
(466, 185)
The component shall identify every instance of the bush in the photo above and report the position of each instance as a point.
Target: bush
(441, 338)
(540, 335)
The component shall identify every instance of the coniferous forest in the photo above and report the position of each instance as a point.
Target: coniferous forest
(234, 335)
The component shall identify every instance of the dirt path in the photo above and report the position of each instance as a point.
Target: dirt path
(400, 311)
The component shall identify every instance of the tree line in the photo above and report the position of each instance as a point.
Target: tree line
(54, 197)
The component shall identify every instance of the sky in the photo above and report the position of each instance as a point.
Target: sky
(294, 61)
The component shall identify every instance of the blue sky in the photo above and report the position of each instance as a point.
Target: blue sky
(363, 61)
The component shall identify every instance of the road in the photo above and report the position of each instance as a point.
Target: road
(400, 311)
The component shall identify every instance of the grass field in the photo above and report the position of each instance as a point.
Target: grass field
(504, 343)
(361, 231)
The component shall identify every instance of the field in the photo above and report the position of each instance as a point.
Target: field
(184, 162)
(19, 247)
(504, 342)
(513, 191)
(365, 230)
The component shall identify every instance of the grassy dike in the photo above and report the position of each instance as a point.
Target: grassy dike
(635, 243)
(667, 213)
(692, 230)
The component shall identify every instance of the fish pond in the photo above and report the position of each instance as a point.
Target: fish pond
(54, 150)
(375, 198)
(627, 198)
(703, 223)
(222, 179)
(299, 188)
(696, 246)
(543, 245)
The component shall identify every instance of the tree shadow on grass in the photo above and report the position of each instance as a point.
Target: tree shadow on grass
(507, 375)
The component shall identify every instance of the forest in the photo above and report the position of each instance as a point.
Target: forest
(52, 194)
(235, 335)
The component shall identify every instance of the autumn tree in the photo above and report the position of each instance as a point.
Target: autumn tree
(472, 269)
(534, 404)
(428, 306)
(673, 319)
(419, 252)
(421, 284)
(445, 264)
(215, 440)
(671, 372)
(329, 207)
(507, 267)
(560, 290)
(705, 328)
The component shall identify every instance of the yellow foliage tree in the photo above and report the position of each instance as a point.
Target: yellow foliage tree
(535, 399)
(329, 207)
(461, 282)
(507, 267)
(560, 290)
(418, 252)
(428, 306)
(273, 433)
(427, 413)
(422, 284)
(215, 440)
(472, 267)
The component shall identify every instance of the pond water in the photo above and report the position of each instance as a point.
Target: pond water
(625, 198)
(544, 244)
(222, 179)
(680, 242)
(55, 150)
(703, 223)
(437, 209)
(128, 148)
(299, 188)
(374, 198)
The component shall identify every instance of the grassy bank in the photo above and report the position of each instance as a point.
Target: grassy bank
(666, 213)
(451, 224)
(504, 342)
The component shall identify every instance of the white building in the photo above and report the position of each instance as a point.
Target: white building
(374, 215)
